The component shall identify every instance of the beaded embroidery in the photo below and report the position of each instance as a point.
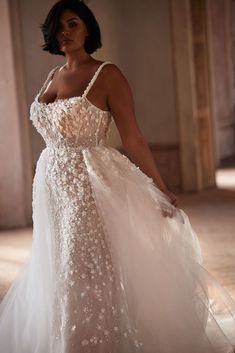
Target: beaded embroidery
(87, 310)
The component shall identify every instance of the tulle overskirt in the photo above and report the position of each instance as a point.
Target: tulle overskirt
(173, 301)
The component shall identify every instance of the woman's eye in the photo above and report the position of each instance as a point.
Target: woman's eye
(72, 24)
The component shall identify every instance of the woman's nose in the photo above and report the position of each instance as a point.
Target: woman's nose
(65, 33)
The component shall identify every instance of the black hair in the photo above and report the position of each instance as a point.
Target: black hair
(51, 24)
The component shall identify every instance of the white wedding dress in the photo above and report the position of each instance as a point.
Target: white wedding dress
(108, 271)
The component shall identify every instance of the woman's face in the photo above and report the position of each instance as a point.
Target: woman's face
(71, 32)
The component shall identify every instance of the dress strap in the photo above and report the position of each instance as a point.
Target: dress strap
(48, 79)
(94, 78)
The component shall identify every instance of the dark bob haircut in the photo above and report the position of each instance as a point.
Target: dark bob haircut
(50, 26)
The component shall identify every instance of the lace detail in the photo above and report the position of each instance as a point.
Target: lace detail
(83, 262)
(73, 121)
(86, 290)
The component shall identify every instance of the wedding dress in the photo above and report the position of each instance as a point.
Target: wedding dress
(114, 266)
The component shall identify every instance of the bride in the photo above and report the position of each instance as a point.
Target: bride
(115, 265)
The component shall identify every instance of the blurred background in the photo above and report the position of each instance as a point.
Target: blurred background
(179, 58)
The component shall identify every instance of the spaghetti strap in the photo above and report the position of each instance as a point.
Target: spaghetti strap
(94, 78)
(52, 72)
(48, 79)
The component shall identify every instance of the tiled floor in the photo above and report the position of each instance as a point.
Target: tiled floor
(212, 215)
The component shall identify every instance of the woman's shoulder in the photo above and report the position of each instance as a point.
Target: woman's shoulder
(113, 71)
(110, 70)
(111, 67)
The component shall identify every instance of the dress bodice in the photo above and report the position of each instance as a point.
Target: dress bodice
(73, 121)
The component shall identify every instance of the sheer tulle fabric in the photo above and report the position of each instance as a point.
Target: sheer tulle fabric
(176, 304)
(25, 312)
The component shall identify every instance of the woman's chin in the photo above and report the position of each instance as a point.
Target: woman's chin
(69, 49)
(65, 45)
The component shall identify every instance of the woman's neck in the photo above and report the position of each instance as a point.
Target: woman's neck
(76, 60)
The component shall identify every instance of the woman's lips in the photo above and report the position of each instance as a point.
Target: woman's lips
(65, 41)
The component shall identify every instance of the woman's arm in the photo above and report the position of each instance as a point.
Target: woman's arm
(121, 104)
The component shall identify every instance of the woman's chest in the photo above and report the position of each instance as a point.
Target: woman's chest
(69, 120)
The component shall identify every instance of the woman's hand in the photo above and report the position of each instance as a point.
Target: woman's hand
(172, 197)
(166, 212)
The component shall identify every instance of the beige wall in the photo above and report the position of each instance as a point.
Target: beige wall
(141, 32)
(136, 37)
(37, 63)
(15, 158)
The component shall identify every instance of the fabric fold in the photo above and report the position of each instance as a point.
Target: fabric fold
(175, 303)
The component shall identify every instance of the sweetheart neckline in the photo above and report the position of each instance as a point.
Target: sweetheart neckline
(69, 98)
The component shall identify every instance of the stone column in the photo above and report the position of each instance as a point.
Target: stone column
(221, 32)
(190, 59)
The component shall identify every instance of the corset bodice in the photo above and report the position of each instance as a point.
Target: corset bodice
(71, 122)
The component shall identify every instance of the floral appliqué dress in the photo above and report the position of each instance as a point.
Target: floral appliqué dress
(108, 272)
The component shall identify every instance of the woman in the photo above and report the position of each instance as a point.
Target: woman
(115, 266)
